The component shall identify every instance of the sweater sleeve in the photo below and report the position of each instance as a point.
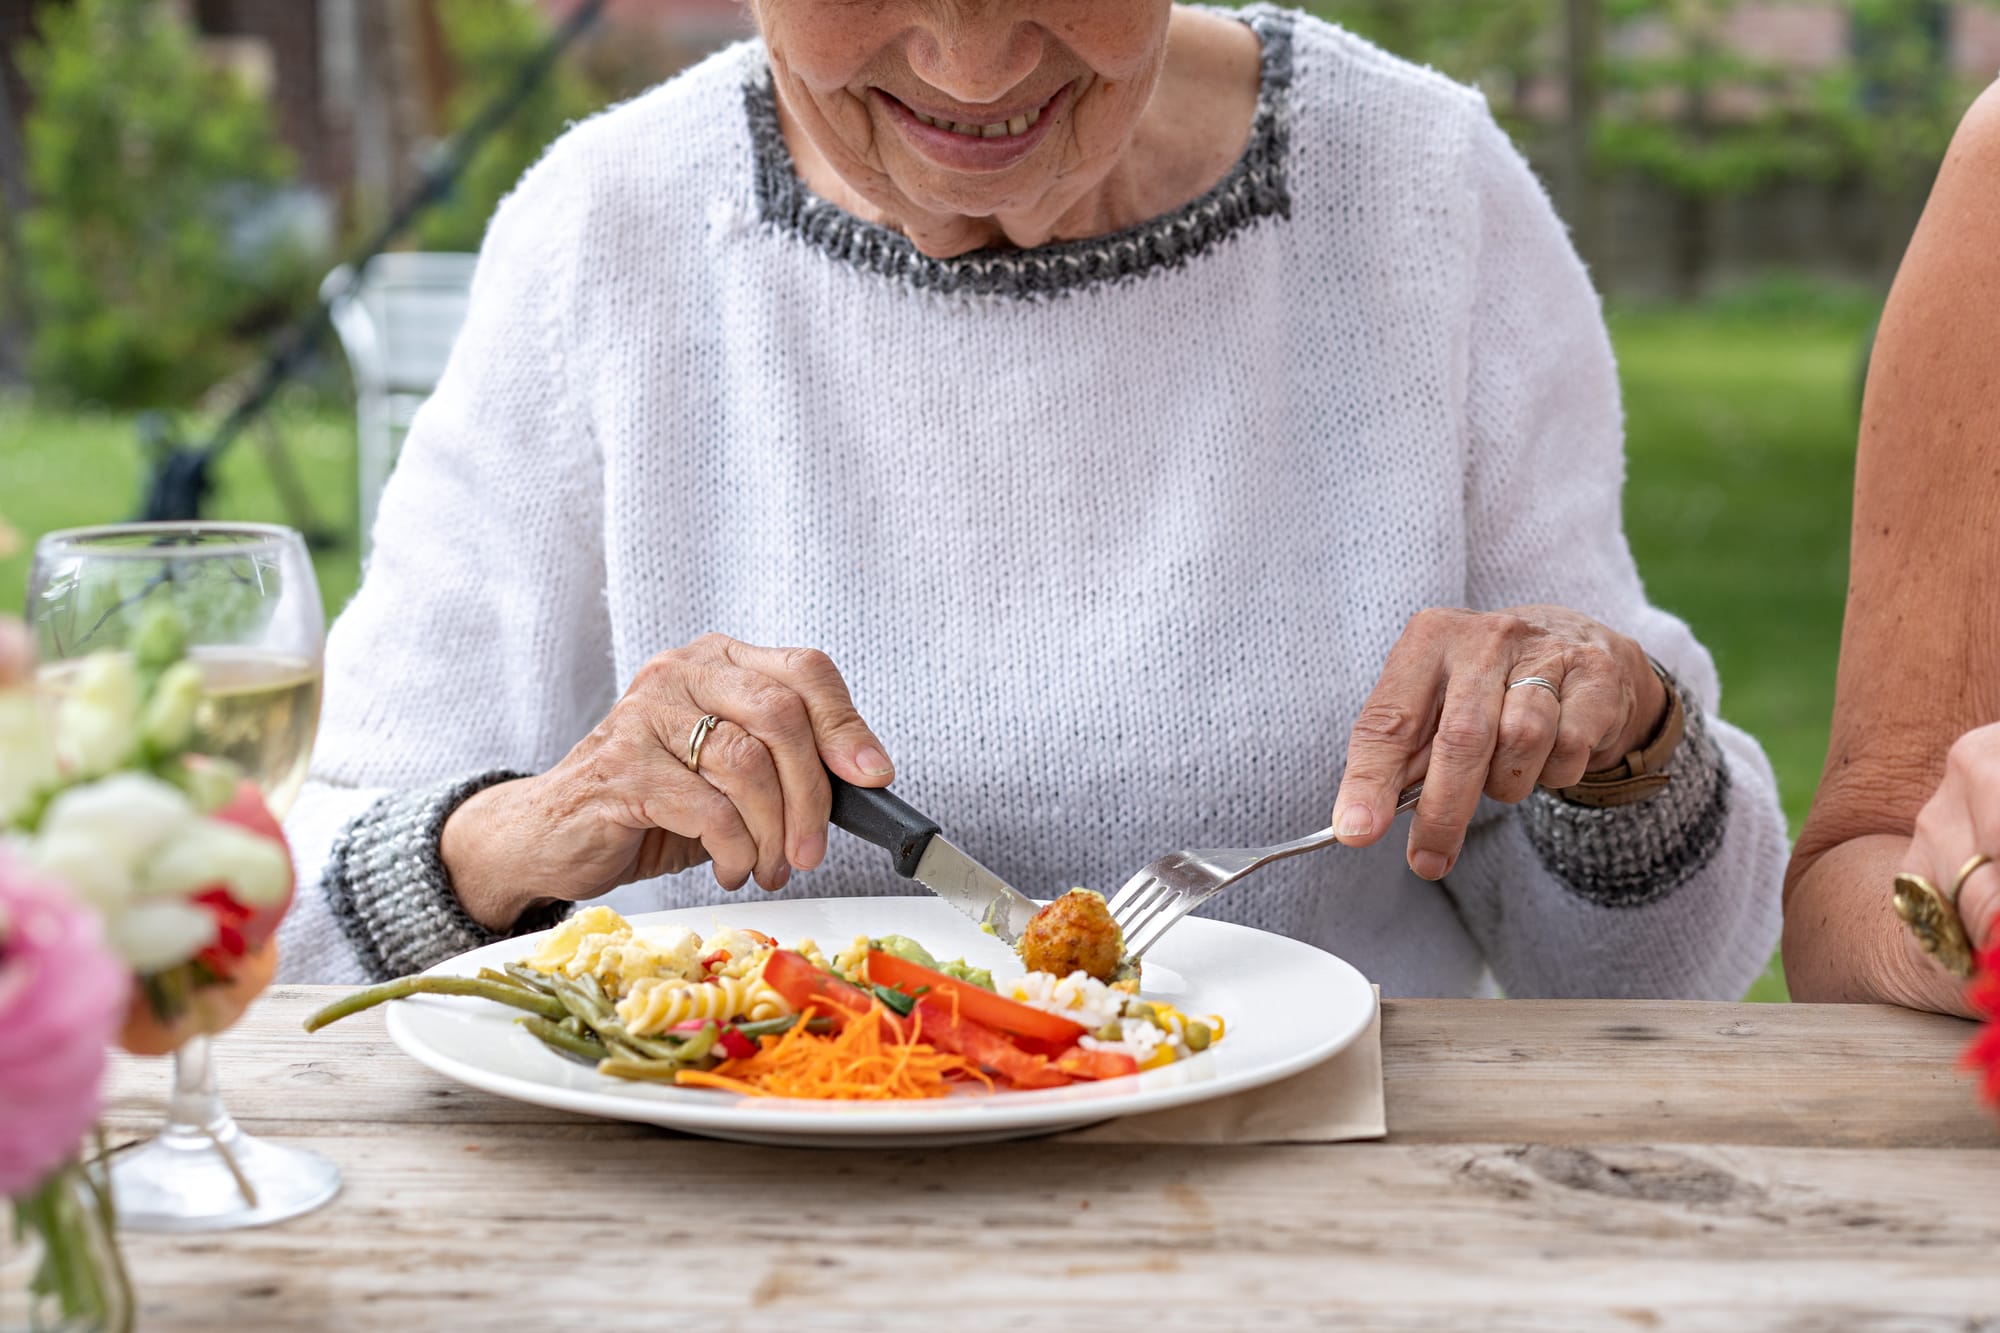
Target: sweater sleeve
(479, 641)
(1677, 895)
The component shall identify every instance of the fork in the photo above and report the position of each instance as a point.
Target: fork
(1168, 888)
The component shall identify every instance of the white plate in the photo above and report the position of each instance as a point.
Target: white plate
(1288, 1006)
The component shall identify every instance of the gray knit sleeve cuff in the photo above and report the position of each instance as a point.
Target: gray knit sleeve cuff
(1632, 855)
(387, 887)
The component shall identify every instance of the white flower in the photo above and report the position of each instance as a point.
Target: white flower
(27, 752)
(169, 721)
(80, 863)
(206, 852)
(155, 936)
(125, 816)
(98, 722)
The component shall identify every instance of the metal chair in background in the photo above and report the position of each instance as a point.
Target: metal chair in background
(397, 327)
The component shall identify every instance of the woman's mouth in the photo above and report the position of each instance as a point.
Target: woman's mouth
(997, 130)
(993, 142)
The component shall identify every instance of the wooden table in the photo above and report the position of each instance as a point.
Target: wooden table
(1550, 1165)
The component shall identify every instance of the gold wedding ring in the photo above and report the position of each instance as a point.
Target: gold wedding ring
(696, 738)
(1977, 860)
(1933, 916)
(1542, 681)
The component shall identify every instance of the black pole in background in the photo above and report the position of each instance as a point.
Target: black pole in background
(181, 477)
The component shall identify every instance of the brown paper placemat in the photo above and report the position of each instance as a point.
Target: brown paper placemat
(1334, 1101)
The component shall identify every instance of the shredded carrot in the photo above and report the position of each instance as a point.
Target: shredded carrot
(853, 1064)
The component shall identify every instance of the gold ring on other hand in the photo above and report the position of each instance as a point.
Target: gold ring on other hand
(1977, 860)
(697, 737)
(1933, 917)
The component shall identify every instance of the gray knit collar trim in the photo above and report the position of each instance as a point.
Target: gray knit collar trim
(1255, 188)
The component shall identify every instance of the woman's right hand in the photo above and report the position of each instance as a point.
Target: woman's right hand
(624, 806)
(1959, 822)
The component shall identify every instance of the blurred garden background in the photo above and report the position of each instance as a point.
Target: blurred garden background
(177, 177)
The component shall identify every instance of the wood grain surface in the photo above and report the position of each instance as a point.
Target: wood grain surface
(1550, 1166)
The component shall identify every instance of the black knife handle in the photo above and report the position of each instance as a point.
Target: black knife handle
(877, 815)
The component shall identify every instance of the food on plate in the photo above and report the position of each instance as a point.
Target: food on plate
(1075, 933)
(881, 1020)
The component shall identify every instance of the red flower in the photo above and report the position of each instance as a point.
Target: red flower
(1983, 1056)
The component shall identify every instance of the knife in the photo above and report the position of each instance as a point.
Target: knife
(922, 852)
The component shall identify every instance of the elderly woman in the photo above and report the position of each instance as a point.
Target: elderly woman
(1122, 395)
(1912, 779)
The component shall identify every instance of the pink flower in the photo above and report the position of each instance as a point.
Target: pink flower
(62, 997)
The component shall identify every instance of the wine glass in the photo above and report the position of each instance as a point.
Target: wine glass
(246, 596)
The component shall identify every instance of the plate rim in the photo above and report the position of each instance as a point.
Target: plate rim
(824, 1120)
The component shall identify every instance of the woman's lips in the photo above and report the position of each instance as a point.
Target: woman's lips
(993, 144)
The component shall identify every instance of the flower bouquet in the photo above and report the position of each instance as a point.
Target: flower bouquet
(178, 680)
(141, 885)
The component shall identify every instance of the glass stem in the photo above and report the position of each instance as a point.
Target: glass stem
(196, 1111)
(195, 1116)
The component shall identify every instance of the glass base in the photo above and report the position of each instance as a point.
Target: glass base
(183, 1181)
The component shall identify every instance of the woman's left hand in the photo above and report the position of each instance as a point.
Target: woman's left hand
(1960, 821)
(1451, 708)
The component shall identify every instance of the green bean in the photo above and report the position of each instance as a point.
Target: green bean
(771, 1027)
(404, 987)
(553, 1035)
(667, 1046)
(644, 1071)
(530, 978)
(699, 1045)
(500, 978)
(578, 1001)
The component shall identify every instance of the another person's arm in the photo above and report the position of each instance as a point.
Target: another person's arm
(1920, 649)
(1675, 894)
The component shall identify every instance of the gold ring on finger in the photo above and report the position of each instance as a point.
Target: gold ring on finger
(1965, 872)
(697, 737)
(1542, 681)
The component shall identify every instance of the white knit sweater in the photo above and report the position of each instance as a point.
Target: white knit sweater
(1110, 539)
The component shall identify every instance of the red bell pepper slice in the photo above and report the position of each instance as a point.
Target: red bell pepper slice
(1080, 1063)
(803, 986)
(988, 1049)
(980, 1005)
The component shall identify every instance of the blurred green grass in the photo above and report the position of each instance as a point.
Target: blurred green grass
(1740, 430)
(1740, 421)
(63, 469)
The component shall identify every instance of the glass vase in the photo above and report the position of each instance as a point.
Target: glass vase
(60, 1269)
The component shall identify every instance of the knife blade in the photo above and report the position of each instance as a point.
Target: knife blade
(920, 851)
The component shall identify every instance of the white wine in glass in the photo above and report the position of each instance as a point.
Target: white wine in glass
(245, 597)
(259, 710)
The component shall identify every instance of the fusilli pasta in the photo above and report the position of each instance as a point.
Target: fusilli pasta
(655, 1004)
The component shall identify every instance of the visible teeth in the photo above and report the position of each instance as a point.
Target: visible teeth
(998, 129)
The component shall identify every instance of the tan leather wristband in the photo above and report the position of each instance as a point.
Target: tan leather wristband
(1640, 775)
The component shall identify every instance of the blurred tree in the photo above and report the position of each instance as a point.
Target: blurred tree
(490, 41)
(142, 162)
(1689, 109)
(1500, 45)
